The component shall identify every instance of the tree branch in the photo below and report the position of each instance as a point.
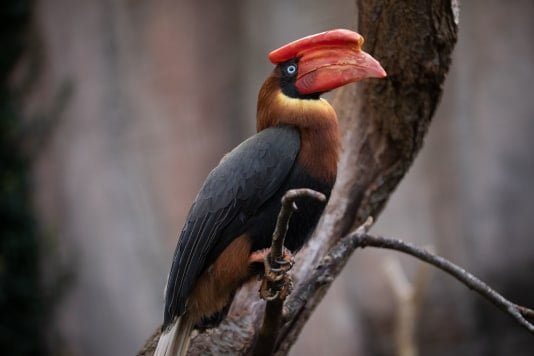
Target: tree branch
(338, 255)
(309, 292)
(273, 309)
(526, 312)
(282, 223)
(358, 240)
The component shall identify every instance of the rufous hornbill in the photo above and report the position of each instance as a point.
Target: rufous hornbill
(230, 225)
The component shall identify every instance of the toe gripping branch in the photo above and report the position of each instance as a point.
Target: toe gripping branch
(277, 283)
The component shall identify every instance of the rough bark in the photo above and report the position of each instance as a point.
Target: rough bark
(384, 122)
(275, 292)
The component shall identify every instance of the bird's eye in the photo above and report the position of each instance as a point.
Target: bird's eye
(291, 69)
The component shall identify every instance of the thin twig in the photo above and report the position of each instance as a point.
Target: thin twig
(334, 261)
(282, 223)
(526, 312)
(273, 309)
(454, 270)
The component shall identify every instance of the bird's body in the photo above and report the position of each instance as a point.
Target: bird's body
(232, 219)
(247, 202)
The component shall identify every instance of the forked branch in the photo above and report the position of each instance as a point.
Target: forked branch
(361, 239)
(517, 312)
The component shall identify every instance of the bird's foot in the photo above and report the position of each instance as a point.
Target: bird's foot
(257, 257)
(275, 270)
(276, 290)
(276, 283)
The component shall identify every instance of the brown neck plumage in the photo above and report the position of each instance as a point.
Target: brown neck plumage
(316, 121)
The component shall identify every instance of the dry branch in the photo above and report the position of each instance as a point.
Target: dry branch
(273, 309)
(526, 312)
(287, 210)
(334, 261)
(359, 240)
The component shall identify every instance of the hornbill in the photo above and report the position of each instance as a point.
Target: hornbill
(229, 227)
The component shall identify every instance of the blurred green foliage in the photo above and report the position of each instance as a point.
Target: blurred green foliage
(22, 304)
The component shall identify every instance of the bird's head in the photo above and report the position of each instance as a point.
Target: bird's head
(309, 67)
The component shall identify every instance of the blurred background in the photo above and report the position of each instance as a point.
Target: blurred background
(113, 112)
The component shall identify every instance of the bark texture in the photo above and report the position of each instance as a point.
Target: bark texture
(384, 122)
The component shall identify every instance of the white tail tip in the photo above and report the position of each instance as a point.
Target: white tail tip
(175, 341)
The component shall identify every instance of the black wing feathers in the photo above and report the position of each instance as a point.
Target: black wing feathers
(235, 189)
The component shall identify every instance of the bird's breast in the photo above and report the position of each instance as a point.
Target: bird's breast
(319, 152)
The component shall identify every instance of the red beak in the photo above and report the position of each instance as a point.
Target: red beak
(329, 60)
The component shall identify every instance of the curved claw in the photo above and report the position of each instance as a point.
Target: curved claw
(284, 264)
(280, 291)
(267, 293)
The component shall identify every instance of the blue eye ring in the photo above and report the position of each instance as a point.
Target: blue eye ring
(291, 69)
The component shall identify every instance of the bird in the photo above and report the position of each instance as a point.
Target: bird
(229, 227)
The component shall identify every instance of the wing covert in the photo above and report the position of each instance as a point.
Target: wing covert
(244, 179)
